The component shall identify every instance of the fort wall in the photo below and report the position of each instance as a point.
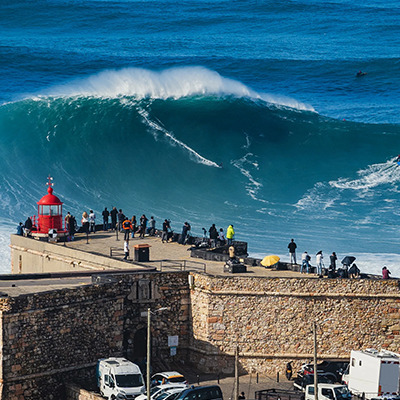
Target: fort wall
(54, 337)
(271, 320)
(58, 336)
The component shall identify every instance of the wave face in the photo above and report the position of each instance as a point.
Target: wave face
(189, 144)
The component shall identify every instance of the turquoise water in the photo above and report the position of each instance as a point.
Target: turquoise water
(221, 112)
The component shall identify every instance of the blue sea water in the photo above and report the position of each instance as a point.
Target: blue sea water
(138, 104)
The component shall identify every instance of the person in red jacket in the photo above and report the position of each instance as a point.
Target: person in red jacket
(385, 273)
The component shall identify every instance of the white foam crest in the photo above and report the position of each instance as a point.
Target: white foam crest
(318, 198)
(157, 127)
(253, 186)
(172, 83)
(373, 176)
(369, 263)
(286, 101)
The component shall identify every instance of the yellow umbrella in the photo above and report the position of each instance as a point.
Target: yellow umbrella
(269, 261)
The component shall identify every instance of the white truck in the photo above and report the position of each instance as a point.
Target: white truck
(119, 378)
(373, 373)
(328, 391)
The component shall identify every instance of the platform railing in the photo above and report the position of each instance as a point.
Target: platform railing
(183, 265)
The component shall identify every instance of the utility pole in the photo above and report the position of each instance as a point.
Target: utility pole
(236, 389)
(315, 362)
(148, 355)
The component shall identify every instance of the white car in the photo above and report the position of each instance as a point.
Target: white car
(168, 377)
(159, 389)
(170, 394)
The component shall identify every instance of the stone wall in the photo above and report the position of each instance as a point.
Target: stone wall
(58, 336)
(74, 392)
(271, 320)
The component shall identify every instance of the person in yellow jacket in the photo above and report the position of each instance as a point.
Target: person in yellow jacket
(229, 234)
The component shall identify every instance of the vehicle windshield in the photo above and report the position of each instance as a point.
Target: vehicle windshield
(173, 396)
(309, 379)
(163, 395)
(177, 379)
(130, 380)
(154, 389)
(342, 393)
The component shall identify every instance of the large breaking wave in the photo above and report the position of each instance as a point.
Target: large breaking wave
(174, 83)
(189, 144)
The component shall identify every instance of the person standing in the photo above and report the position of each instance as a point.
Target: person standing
(230, 233)
(185, 229)
(105, 215)
(126, 248)
(165, 228)
(213, 235)
(221, 237)
(28, 227)
(318, 259)
(143, 224)
(292, 250)
(92, 222)
(121, 219)
(305, 262)
(72, 227)
(85, 222)
(385, 273)
(289, 371)
(20, 229)
(152, 226)
(66, 220)
(333, 259)
(134, 225)
(114, 214)
(127, 227)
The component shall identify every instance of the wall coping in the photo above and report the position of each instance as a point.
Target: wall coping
(298, 294)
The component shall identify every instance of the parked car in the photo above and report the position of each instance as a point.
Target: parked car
(328, 391)
(159, 389)
(332, 368)
(201, 392)
(165, 378)
(170, 394)
(301, 382)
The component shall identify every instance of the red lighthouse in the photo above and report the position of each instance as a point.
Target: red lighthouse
(49, 213)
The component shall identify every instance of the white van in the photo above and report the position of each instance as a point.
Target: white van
(328, 391)
(373, 373)
(119, 378)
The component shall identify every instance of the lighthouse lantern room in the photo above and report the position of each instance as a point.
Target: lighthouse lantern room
(49, 212)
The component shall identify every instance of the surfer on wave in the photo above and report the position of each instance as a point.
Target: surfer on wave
(360, 73)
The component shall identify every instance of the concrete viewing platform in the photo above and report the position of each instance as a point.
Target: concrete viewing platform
(163, 256)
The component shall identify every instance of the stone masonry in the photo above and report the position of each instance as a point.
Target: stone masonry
(271, 319)
(57, 336)
(51, 338)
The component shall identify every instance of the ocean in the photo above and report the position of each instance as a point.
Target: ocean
(229, 112)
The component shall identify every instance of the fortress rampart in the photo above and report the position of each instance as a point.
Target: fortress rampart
(270, 319)
(57, 336)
